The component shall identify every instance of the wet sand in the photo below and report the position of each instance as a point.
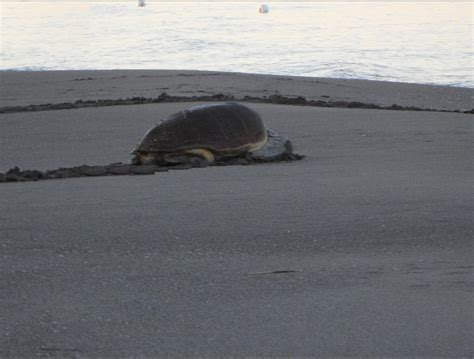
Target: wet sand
(363, 248)
(33, 88)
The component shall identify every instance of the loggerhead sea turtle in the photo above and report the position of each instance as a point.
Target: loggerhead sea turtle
(212, 134)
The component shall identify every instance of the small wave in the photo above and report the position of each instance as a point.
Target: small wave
(27, 68)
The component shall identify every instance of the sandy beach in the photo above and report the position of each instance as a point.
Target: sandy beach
(363, 248)
(32, 88)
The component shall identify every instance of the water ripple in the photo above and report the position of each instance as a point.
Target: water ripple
(410, 42)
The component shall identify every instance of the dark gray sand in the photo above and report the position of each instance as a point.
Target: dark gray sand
(42, 87)
(364, 248)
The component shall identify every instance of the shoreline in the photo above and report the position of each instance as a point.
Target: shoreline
(22, 89)
(32, 69)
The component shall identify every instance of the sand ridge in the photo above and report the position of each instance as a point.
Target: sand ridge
(165, 98)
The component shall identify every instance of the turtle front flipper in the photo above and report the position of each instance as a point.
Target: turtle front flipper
(202, 153)
(197, 157)
(147, 158)
(277, 148)
(194, 158)
(188, 158)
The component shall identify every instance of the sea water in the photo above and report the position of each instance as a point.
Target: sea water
(395, 41)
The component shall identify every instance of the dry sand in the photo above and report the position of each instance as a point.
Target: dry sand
(363, 248)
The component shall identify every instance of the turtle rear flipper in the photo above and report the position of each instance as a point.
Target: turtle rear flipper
(277, 148)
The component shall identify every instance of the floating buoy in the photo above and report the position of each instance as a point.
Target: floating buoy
(141, 3)
(263, 9)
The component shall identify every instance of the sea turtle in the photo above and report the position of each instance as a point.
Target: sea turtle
(212, 134)
(216, 134)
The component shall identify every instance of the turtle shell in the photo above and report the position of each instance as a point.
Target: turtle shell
(217, 127)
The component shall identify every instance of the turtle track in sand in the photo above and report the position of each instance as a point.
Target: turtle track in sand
(275, 99)
(122, 169)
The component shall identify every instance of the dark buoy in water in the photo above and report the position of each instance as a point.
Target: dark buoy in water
(263, 9)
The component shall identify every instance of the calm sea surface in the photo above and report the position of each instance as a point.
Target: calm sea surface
(410, 42)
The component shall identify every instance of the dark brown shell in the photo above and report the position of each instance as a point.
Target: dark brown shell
(217, 127)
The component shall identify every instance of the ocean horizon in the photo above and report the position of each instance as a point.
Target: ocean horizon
(428, 43)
